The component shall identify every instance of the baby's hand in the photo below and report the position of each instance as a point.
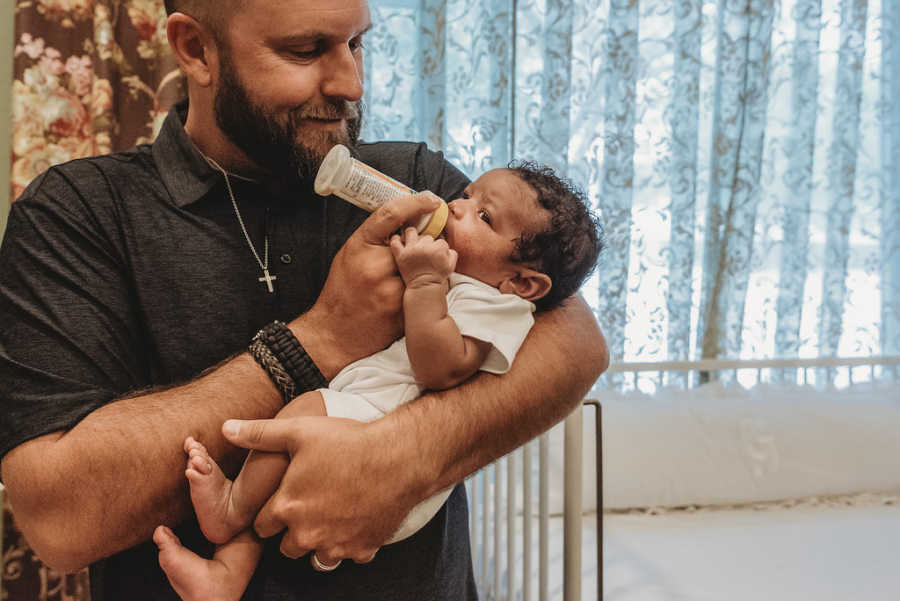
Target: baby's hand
(422, 259)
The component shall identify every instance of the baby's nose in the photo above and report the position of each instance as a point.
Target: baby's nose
(458, 207)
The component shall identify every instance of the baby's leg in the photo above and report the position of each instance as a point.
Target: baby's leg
(222, 578)
(225, 508)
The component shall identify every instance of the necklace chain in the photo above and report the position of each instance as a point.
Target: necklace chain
(264, 262)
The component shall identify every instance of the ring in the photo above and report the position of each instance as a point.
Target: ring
(323, 567)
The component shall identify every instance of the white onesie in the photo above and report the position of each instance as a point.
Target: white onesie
(375, 385)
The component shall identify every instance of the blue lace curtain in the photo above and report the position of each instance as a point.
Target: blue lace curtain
(739, 152)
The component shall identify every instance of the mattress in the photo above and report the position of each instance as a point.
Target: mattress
(822, 551)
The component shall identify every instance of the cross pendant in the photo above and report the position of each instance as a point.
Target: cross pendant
(268, 279)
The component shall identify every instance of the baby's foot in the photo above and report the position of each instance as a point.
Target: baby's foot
(210, 492)
(192, 577)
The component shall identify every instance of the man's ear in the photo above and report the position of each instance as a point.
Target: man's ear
(193, 47)
(528, 283)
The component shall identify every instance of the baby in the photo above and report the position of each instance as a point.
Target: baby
(519, 239)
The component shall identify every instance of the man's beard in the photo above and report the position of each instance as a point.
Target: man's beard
(271, 141)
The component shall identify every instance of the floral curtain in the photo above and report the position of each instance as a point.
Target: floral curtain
(739, 151)
(90, 77)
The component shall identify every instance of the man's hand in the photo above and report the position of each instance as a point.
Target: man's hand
(422, 260)
(343, 497)
(358, 311)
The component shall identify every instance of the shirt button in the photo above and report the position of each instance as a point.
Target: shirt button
(286, 259)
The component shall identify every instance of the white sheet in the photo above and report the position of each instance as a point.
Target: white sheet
(815, 553)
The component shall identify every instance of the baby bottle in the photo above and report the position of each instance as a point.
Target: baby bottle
(368, 188)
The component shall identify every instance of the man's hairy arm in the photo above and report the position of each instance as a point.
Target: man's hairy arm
(103, 485)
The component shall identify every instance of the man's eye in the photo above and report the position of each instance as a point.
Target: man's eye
(466, 194)
(482, 214)
(306, 54)
(356, 44)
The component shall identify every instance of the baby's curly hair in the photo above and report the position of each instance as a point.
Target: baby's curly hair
(568, 249)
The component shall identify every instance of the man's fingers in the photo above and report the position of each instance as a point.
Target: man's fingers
(290, 549)
(266, 524)
(260, 434)
(394, 214)
(365, 556)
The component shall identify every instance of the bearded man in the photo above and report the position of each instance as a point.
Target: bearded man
(132, 284)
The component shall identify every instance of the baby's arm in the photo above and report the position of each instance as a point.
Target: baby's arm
(440, 355)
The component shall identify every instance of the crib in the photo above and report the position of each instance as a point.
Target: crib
(715, 479)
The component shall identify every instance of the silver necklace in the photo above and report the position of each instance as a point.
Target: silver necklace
(264, 263)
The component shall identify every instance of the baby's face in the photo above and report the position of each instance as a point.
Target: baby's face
(485, 224)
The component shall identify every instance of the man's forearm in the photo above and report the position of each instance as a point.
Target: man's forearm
(103, 486)
(458, 431)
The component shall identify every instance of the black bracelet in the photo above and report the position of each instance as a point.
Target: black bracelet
(275, 370)
(285, 347)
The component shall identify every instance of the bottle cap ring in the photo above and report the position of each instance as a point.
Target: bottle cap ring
(437, 222)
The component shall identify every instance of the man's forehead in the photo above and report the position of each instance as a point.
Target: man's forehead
(302, 6)
(281, 18)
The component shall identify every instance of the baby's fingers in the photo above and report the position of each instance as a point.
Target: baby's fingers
(410, 235)
(452, 257)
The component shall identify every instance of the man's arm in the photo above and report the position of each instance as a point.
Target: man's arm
(351, 484)
(104, 484)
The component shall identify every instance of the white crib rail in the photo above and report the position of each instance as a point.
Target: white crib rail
(503, 549)
(499, 574)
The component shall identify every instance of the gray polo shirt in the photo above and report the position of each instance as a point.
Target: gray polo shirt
(130, 270)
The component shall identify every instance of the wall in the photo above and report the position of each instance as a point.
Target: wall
(7, 11)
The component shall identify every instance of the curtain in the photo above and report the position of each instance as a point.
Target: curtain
(90, 77)
(739, 153)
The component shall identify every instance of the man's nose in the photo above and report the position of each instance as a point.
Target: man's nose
(343, 75)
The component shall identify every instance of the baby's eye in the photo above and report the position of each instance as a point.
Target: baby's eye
(482, 214)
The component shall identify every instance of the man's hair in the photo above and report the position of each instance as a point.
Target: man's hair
(213, 13)
(567, 250)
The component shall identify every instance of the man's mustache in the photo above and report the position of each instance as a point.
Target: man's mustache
(344, 110)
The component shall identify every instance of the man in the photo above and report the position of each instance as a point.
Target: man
(124, 277)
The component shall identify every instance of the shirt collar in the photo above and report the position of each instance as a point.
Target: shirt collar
(185, 173)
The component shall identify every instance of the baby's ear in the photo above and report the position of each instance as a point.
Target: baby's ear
(528, 284)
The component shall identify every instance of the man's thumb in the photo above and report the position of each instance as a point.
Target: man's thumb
(257, 434)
